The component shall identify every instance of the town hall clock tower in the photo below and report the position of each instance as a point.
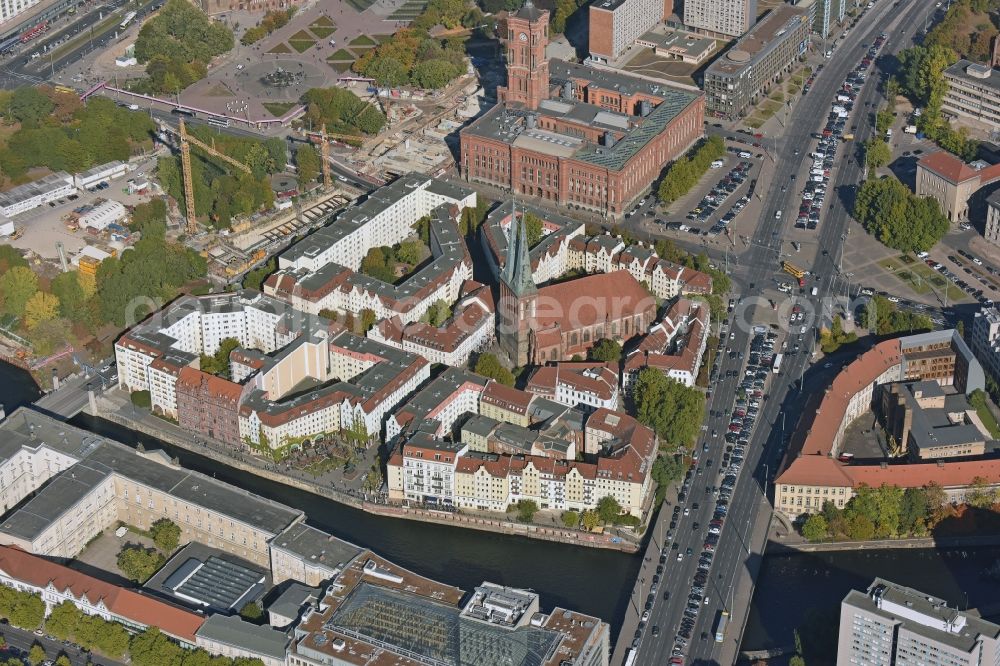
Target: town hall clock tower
(527, 67)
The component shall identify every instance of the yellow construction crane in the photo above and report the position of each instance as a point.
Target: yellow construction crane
(185, 141)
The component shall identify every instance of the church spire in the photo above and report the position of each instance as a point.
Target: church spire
(517, 268)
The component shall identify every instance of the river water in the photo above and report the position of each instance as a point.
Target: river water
(792, 585)
(589, 580)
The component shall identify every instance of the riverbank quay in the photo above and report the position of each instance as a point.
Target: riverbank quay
(971, 541)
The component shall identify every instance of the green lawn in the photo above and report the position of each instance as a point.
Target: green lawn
(340, 65)
(920, 277)
(324, 21)
(280, 48)
(363, 40)
(986, 416)
(341, 54)
(301, 45)
(321, 33)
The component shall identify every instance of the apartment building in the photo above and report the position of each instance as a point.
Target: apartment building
(321, 271)
(56, 584)
(973, 92)
(815, 474)
(745, 73)
(441, 402)
(891, 624)
(308, 555)
(232, 636)
(515, 445)
(588, 386)
(470, 328)
(720, 18)
(615, 25)
(675, 346)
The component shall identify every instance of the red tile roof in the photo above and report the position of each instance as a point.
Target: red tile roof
(591, 300)
(508, 398)
(191, 379)
(948, 166)
(125, 603)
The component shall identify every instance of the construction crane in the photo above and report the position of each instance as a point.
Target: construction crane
(185, 141)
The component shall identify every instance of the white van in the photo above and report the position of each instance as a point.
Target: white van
(744, 154)
(815, 291)
(717, 164)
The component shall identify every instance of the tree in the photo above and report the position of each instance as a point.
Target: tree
(72, 300)
(251, 612)
(22, 609)
(815, 528)
(606, 351)
(10, 257)
(152, 648)
(42, 306)
(571, 519)
(488, 365)
(141, 399)
(368, 319)
(980, 494)
(63, 621)
(409, 251)
(29, 106)
(671, 409)
(796, 660)
(63, 660)
(36, 655)
(438, 313)
(682, 175)
(860, 528)
(166, 534)
(897, 217)
(877, 153)
(590, 520)
(526, 510)
(533, 227)
(883, 121)
(307, 161)
(17, 286)
(913, 512)
(218, 363)
(138, 563)
(608, 509)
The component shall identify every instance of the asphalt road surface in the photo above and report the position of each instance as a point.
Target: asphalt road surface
(742, 541)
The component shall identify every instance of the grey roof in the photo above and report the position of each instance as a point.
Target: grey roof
(432, 394)
(216, 582)
(477, 424)
(195, 488)
(316, 546)
(51, 182)
(529, 12)
(99, 169)
(55, 499)
(236, 632)
(923, 614)
(960, 71)
(26, 428)
(778, 26)
(931, 427)
(290, 602)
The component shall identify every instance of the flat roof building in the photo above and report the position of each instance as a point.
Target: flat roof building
(973, 92)
(36, 193)
(892, 624)
(616, 24)
(740, 77)
(951, 182)
(722, 18)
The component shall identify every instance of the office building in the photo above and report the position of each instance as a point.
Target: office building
(743, 75)
(720, 18)
(573, 135)
(891, 624)
(973, 93)
(931, 422)
(813, 471)
(951, 182)
(615, 25)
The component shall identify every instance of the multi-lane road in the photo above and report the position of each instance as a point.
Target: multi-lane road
(739, 550)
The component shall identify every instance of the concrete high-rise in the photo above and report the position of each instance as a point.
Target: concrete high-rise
(894, 625)
(721, 18)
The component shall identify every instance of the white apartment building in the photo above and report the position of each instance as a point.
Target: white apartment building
(615, 25)
(428, 472)
(724, 18)
(891, 624)
(452, 395)
(985, 339)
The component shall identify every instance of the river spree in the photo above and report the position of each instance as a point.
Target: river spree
(792, 585)
(589, 580)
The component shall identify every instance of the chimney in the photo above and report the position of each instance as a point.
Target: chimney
(645, 108)
(567, 90)
(532, 121)
(609, 139)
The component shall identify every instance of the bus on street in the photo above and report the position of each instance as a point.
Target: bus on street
(721, 620)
